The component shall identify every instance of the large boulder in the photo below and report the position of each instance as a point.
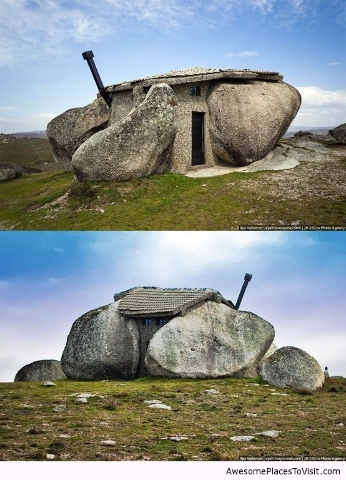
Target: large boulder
(40, 370)
(339, 133)
(102, 345)
(211, 341)
(69, 130)
(292, 367)
(137, 146)
(248, 118)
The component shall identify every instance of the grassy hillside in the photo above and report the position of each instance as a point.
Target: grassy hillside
(310, 194)
(27, 152)
(309, 425)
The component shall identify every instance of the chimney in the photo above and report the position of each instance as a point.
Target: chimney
(247, 279)
(107, 97)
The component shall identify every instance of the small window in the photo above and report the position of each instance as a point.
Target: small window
(195, 91)
(146, 89)
(147, 321)
(161, 322)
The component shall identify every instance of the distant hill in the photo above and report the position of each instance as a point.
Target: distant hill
(315, 130)
(32, 134)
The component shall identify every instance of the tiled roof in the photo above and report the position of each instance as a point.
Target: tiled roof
(145, 301)
(199, 74)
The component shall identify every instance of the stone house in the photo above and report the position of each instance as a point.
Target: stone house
(153, 307)
(193, 145)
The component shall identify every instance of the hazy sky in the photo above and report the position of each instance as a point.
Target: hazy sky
(41, 42)
(49, 279)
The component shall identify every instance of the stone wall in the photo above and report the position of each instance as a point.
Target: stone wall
(182, 148)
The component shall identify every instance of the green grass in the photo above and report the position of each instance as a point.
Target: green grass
(51, 200)
(159, 202)
(309, 425)
(27, 152)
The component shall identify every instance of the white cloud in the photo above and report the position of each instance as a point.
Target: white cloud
(37, 121)
(317, 97)
(246, 53)
(321, 107)
(169, 257)
(38, 28)
(333, 64)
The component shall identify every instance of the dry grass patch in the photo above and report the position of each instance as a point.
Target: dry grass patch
(198, 427)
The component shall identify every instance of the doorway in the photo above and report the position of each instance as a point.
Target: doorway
(198, 138)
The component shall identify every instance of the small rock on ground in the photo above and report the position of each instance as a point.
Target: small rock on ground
(269, 433)
(243, 438)
(160, 405)
(60, 408)
(107, 443)
(49, 384)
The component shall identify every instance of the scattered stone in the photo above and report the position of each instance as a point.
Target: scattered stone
(64, 435)
(107, 443)
(9, 170)
(59, 409)
(49, 384)
(302, 133)
(160, 405)
(81, 400)
(339, 133)
(269, 433)
(280, 394)
(177, 438)
(50, 456)
(250, 414)
(152, 402)
(136, 146)
(341, 425)
(294, 368)
(211, 391)
(41, 370)
(243, 438)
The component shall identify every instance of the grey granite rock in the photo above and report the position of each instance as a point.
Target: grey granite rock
(213, 340)
(339, 133)
(102, 345)
(294, 368)
(248, 118)
(68, 131)
(136, 146)
(41, 370)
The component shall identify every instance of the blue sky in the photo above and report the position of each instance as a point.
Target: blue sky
(41, 42)
(49, 279)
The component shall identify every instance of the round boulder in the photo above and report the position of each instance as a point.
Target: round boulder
(137, 146)
(248, 118)
(294, 368)
(212, 341)
(102, 345)
(339, 133)
(40, 370)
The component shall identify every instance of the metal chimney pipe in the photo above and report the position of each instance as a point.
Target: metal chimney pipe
(247, 279)
(107, 97)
